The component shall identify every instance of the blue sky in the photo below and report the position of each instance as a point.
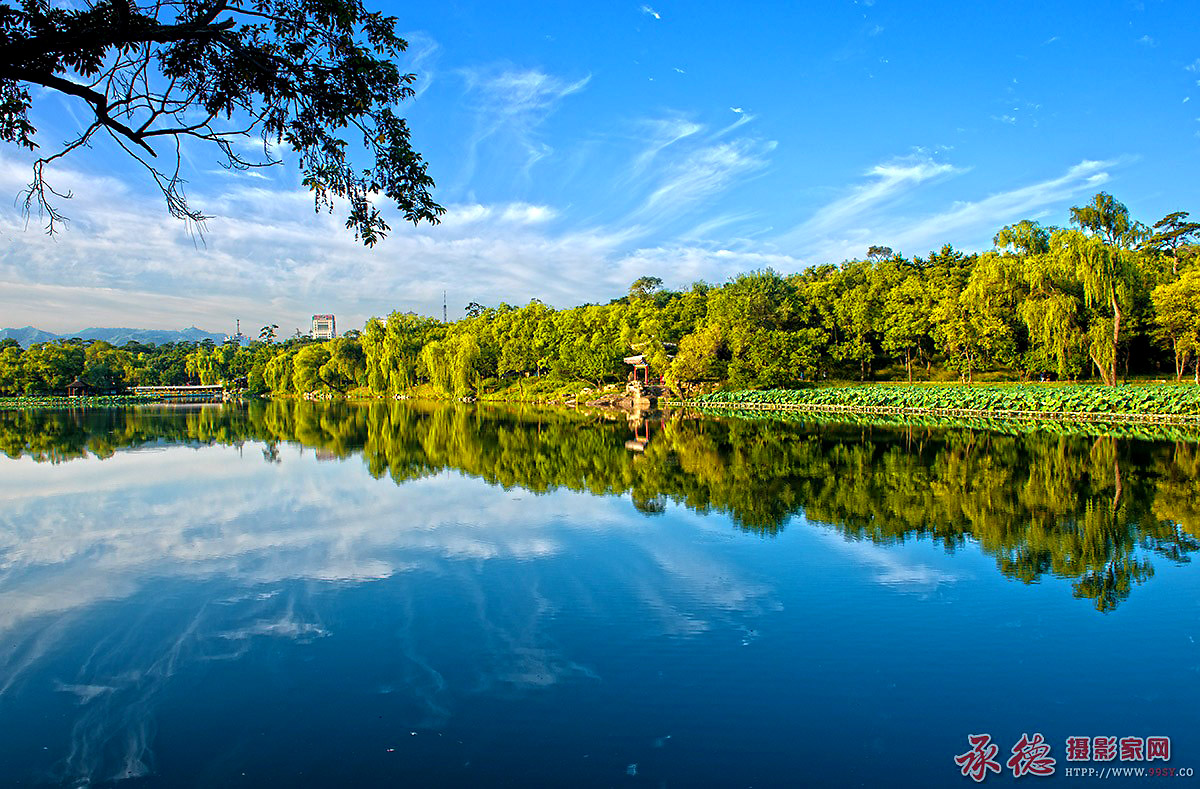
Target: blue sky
(579, 146)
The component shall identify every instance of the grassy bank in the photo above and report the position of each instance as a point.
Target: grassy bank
(1080, 402)
(542, 390)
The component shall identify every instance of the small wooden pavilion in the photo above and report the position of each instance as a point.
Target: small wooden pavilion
(639, 364)
(77, 388)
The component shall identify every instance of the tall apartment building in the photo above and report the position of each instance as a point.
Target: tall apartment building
(323, 327)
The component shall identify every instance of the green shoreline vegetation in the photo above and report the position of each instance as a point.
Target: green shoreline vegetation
(1077, 401)
(1105, 300)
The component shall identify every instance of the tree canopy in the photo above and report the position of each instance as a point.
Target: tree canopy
(1046, 302)
(318, 77)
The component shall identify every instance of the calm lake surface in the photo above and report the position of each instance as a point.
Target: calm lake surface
(297, 594)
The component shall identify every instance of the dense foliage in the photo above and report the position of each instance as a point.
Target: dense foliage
(1095, 510)
(1107, 298)
(298, 365)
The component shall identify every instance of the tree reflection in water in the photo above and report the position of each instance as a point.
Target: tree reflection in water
(1089, 506)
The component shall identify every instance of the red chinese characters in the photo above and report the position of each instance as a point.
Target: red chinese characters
(1104, 749)
(1133, 749)
(1158, 748)
(1079, 749)
(1031, 756)
(980, 759)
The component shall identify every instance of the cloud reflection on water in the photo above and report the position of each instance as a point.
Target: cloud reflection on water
(141, 541)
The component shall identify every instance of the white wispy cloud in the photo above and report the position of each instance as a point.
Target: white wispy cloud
(458, 216)
(844, 216)
(509, 104)
(706, 172)
(743, 118)
(421, 59)
(847, 226)
(268, 258)
(706, 229)
(662, 133)
(971, 221)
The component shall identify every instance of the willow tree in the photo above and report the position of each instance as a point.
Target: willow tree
(1108, 219)
(1101, 254)
(1108, 276)
(346, 366)
(306, 368)
(465, 373)
(372, 338)
(277, 373)
(392, 351)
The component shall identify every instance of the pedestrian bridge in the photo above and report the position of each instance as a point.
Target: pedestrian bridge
(197, 392)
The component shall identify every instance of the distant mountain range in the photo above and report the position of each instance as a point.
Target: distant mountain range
(118, 337)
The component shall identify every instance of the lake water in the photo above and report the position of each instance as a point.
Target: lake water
(401, 594)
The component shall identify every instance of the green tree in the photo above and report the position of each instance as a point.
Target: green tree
(50, 366)
(306, 368)
(206, 365)
(857, 309)
(346, 367)
(277, 373)
(107, 368)
(1172, 232)
(644, 287)
(1109, 219)
(1025, 238)
(702, 357)
(1108, 276)
(12, 377)
(1095, 265)
(906, 310)
(1177, 311)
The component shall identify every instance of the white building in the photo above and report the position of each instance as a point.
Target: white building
(323, 327)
